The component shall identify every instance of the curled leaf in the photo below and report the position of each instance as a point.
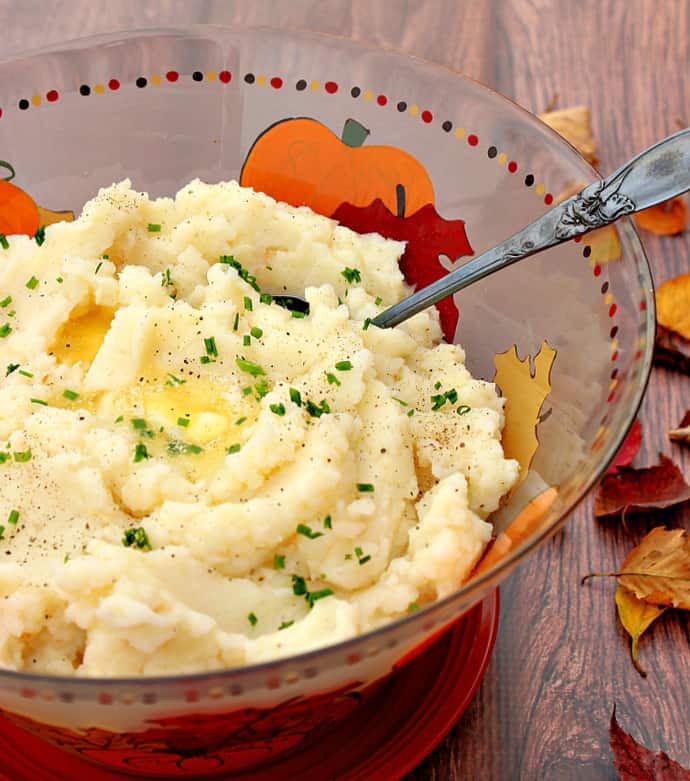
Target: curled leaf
(574, 125)
(628, 450)
(634, 762)
(641, 490)
(657, 571)
(682, 432)
(673, 305)
(636, 617)
(664, 219)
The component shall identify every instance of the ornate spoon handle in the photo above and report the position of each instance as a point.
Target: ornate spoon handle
(657, 174)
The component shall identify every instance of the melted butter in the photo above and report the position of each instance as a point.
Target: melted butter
(80, 338)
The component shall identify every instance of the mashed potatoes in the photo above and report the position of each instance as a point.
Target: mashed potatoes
(191, 476)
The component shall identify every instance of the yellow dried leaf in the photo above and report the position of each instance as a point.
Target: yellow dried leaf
(574, 125)
(673, 305)
(658, 569)
(636, 617)
(525, 390)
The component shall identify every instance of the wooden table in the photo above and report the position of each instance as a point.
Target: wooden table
(561, 660)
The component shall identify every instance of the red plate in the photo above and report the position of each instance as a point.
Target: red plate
(383, 740)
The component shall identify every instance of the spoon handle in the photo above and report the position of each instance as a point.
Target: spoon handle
(655, 175)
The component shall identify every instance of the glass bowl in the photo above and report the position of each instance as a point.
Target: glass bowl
(571, 330)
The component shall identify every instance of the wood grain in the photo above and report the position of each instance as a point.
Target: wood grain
(561, 660)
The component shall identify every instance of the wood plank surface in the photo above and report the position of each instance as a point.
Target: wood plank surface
(561, 659)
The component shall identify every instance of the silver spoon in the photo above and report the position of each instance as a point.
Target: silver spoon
(655, 175)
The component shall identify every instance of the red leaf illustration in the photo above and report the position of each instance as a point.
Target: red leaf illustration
(628, 450)
(428, 235)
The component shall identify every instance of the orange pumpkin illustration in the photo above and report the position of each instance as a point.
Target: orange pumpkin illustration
(301, 162)
(18, 211)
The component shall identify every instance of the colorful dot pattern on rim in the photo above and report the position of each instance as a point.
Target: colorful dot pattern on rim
(331, 87)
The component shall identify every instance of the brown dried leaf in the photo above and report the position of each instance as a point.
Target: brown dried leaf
(672, 350)
(636, 617)
(574, 125)
(641, 490)
(673, 305)
(634, 762)
(665, 219)
(659, 569)
(682, 432)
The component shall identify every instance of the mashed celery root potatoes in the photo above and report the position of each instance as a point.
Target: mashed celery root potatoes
(194, 478)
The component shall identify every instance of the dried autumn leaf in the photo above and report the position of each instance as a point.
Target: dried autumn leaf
(682, 432)
(574, 125)
(665, 219)
(659, 568)
(636, 617)
(641, 490)
(634, 762)
(672, 350)
(628, 450)
(673, 305)
(526, 522)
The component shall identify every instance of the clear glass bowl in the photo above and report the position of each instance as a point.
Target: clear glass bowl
(163, 107)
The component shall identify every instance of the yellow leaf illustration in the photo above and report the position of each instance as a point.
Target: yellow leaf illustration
(525, 390)
(636, 617)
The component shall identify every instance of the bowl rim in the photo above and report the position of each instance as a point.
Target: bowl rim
(478, 586)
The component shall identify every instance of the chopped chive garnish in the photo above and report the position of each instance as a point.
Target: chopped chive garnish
(105, 257)
(285, 625)
(5, 330)
(13, 517)
(98, 266)
(367, 323)
(22, 456)
(298, 315)
(348, 556)
(247, 366)
(352, 274)
(240, 421)
(413, 607)
(364, 559)
(317, 410)
(437, 385)
(265, 298)
(365, 488)
(306, 531)
(119, 418)
(40, 235)
(154, 227)
(210, 345)
(313, 596)
(252, 619)
(299, 586)
(378, 300)
(206, 359)
(227, 260)
(2, 532)
(70, 394)
(438, 400)
(257, 333)
(183, 422)
(343, 366)
(59, 280)
(140, 452)
(139, 423)
(32, 283)
(358, 552)
(295, 397)
(327, 522)
(463, 409)
(176, 448)
(11, 367)
(401, 401)
(246, 340)
(261, 388)
(242, 272)
(6, 301)
(247, 391)
(173, 380)
(278, 561)
(136, 538)
(233, 448)
(361, 558)
(4, 457)
(332, 379)
(39, 401)
(248, 305)
(66, 559)
(278, 409)
(12, 313)
(410, 413)
(3, 241)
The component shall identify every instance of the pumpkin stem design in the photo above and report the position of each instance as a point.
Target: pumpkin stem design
(400, 200)
(5, 164)
(354, 133)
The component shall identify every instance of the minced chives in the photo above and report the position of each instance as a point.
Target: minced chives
(343, 366)
(278, 409)
(248, 305)
(13, 517)
(2, 532)
(32, 283)
(71, 395)
(136, 538)
(6, 301)
(11, 367)
(261, 388)
(210, 345)
(463, 409)
(278, 561)
(365, 488)
(139, 423)
(233, 448)
(40, 235)
(183, 422)
(306, 531)
(295, 397)
(39, 401)
(176, 448)
(247, 391)
(378, 300)
(367, 323)
(119, 418)
(247, 366)
(98, 267)
(265, 298)
(22, 456)
(236, 322)
(332, 379)
(3, 241)
(246, 340)
(173, 380)
(140, 452)
(5, 330)
(154, 227)
(413, 607)
(285, 625)
(352, 274)
(257, 333)
(240, 421)
(327, 522)
(298, 315)
(252, 619)
(59, 280)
